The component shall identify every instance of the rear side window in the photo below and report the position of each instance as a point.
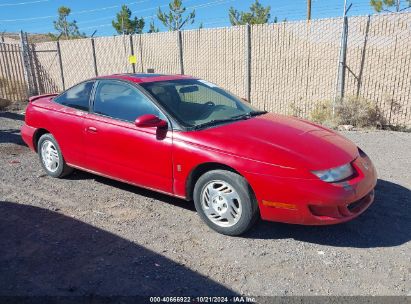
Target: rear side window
(122, 101)
(77, 97)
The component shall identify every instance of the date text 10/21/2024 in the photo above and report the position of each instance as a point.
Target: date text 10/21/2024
(206, 299)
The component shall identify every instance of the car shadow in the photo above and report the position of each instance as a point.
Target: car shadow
(386, 223)
(12, 115)
(81, 175)
(44, 253)
(11, 136)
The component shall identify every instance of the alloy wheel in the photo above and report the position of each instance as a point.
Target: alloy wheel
(50, 156)
(221, 203)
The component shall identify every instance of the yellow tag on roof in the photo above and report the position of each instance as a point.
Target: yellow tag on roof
(132, 59)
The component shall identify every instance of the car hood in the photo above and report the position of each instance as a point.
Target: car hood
(279, 140)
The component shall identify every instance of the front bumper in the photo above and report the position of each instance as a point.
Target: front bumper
(312, 201)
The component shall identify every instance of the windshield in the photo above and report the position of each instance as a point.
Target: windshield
(197, 103)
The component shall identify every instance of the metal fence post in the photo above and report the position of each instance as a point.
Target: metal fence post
(26, 66)
(30, 53)
(248, 59)
(342, 58)
(60, 64)
(93, 49)
(133, 65)
(180, 51)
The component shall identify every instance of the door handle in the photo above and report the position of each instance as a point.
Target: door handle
(92, 129)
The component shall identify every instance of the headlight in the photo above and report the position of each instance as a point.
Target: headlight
(335, 174)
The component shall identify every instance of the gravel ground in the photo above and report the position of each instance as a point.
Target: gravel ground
(89, 235)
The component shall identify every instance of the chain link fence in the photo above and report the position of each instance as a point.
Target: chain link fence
(295, 64)
(219, 56)
(378, 65)
(284, 67)
(12, 80)
(47, 74)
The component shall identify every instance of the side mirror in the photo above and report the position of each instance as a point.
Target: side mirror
(150, 120)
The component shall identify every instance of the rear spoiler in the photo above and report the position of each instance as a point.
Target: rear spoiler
(33, 98)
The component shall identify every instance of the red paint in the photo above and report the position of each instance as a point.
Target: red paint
(273, 152)
(150, 120)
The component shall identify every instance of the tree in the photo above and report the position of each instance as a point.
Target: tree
(258, 15)
(124, 24)
(388, 5)
(174, 19)
(64, 27)
(153, 28)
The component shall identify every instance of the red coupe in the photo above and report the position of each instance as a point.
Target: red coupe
(191, 139)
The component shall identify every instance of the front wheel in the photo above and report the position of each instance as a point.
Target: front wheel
(224, 200)
(51, 158)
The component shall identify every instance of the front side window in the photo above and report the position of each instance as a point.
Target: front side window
(122, 101)
(77, 97)
(196, 103)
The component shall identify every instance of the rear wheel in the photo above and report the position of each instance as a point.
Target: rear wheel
(225, 202)
(51, 158)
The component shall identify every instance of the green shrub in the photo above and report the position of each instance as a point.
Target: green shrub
(358, 112)
(322, 113)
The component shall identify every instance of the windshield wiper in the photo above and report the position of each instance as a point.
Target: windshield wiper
(214, 122)
(256, 113)
(233, 118)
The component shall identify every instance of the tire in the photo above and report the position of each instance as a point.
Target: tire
(225, 202)
(51, 158)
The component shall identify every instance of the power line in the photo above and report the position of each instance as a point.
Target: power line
(106, 8)
(218, 2)
(198, 6)
(22, 3)
(281, 13)
(111, 16)
(97, 19)
(73, 13)
(156, 7)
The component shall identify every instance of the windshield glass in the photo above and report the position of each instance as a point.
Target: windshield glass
(197, 103)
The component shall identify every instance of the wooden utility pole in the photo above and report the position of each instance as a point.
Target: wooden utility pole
(308, 9)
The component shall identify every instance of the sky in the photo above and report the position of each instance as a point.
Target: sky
(36, 16)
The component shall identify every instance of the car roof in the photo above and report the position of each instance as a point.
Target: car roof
(145, 77)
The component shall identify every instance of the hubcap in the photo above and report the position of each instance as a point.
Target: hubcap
(221, 203)
(50, 156)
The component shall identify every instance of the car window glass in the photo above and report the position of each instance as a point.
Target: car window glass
(193, 101)
(122, 101)
(200, 94)
(77, 97)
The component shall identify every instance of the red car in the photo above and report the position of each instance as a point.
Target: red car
(191, 139)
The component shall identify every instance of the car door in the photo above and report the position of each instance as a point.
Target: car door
(66, 121)
(116, 147)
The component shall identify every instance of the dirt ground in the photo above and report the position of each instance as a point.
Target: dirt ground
(88, 235)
